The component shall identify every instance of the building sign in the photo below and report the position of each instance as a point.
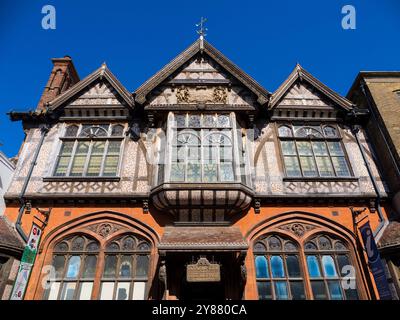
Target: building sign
(27, 260)
(375, 262)
(203, 271)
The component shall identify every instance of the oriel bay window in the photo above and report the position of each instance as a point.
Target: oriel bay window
(119, 269)
(329, 272)
(313, 151)
(90, 151)
(202, 148)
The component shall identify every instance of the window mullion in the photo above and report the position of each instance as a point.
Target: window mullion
(87, 159)
(71, 160)
(314, 157)
(298, 157)
(103, 159)
(330, 158)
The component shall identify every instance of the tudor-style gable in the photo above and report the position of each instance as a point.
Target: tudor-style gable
(301, 96)
(201, 78)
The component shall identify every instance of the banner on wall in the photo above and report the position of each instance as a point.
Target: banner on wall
(375, 262)
(27, 261)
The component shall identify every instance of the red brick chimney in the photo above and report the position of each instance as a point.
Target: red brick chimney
(62, 77)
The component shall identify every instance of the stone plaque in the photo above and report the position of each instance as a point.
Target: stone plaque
(203, 271)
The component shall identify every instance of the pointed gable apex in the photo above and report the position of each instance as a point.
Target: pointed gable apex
(101, 73)
(217, 56)
(299, 73)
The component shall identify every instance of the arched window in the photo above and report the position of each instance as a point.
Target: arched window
(89, 151)
(328, 262)
(126, 269)
(329, 271)
(74, 262)
(313, 151)
(278, 272)
(201, 148)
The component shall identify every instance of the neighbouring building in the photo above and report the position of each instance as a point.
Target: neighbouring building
(199, 184)
(379, 92)
(10, 243)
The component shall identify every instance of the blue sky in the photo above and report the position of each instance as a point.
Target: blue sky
(136, 38)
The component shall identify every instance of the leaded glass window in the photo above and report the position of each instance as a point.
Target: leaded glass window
(90, 151)
(125, 271)
(74, 263)
(328, 262)
(313, 151)
(202, 148)
(278, 272)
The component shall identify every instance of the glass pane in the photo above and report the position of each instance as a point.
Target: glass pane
(264, 290)
(90, 267)
(180, 120)
(68, 291)
(329, 266)
(288, 148)
(340, 164)
(58, 264)
(277, 268)
(110, 265)
(340, 246)
(54, 288)
(78, 243)
(259, 247)
(117, 130)
(62, 166)
(193, 153)
(111, 166)
(123, 290)
(319, 148)
(324, 243)
(313, 267)
(318, 289)
(209, 121)
(96, 158)
(285, 131)
(292, 167)
(71, 131)
(351, 294)
(297, 290)
(177, 172)
(139, 291)
(63, 246)
(290, 246)
(330, 132)
(304, 148)
(142, 265)
(223, 121)
(325, 167)
(86, 290)
(79, 160)
(281, 291)
(227, 171)
(193, 172)
(107, 290)
(262, 267)
(129, 243)
(274, 243)
(92, 246)
(310, 246)
(144, 246)
(194, 121)
(343, 261)
(334, 290)
(226, 153)
(125, 268)
(293, 266)
(335, 148)
(73, 267)
(210, 173)
(308, 166)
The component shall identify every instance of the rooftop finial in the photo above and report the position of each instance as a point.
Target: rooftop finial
(202, 30)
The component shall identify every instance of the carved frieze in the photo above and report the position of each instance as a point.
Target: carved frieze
(104, 229)
(298, 229)
(217, 95)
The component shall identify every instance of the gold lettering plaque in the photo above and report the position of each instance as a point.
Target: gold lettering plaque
(203, 271)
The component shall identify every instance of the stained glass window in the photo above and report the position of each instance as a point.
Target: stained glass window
(86, 151)
(202, 148)
(278, 271)
(328, 262)
(313, 151)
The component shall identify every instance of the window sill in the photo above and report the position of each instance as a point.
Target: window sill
(79, 179)
(320, 179)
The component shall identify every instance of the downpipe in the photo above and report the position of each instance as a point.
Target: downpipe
(18, 224)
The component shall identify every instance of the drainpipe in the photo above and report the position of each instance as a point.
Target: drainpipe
(382, 221)
(44, 129)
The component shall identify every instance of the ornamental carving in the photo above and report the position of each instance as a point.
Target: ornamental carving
(104, 229)
(298, 229)
(218, 95)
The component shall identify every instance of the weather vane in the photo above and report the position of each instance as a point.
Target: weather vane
(202, 30)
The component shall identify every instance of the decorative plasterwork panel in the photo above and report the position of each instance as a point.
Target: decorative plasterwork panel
(80, 187)
(339, 187)
(99, 94)
(105, 229)
(302, 94)
(201, 95)
(298, 229)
